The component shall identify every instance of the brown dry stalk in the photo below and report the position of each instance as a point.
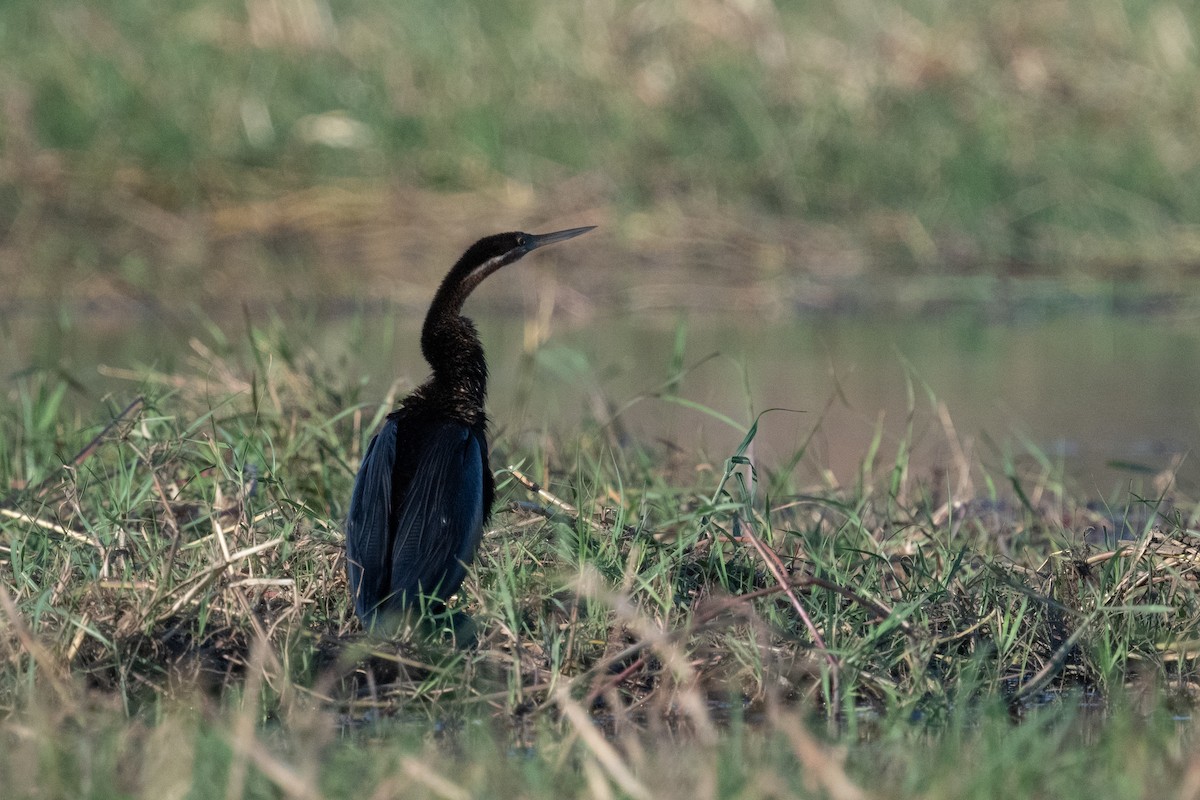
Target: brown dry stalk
(205, 578)
(47, 665)
(775, 565)
(89, 448)
(420, 772)
(559, 504)
(1056, 661)
(21, 516)
(822, 764)
(602, 750)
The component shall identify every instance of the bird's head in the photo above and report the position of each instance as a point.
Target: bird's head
(448, 340)
(493, 252)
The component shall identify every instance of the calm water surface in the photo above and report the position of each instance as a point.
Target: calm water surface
(1108, 399)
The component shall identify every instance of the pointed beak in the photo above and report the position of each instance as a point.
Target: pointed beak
(536, 240)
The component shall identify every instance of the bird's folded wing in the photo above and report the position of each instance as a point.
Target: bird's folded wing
(440, 521)
(368, 540)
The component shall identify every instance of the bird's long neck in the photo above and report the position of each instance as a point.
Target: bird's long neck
(451, 345)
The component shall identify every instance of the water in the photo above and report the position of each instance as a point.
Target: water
(1108, 399)
(1086, 392)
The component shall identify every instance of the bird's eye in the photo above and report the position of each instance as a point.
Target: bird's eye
(520, 240)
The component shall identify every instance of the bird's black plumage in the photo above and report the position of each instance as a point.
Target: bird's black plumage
(424, 489)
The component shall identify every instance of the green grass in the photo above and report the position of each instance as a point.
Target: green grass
(1055, 753)
(174, 619)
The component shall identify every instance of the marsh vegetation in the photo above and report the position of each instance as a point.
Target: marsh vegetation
(925, 525)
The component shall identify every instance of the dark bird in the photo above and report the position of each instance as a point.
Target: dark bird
(424, 490)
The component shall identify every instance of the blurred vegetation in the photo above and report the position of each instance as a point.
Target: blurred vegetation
(173, 617)
(144, 141)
